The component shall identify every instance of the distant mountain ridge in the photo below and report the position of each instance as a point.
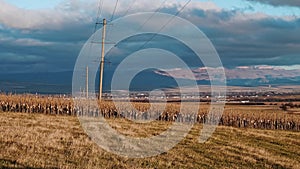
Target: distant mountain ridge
(61, 82)
(40, 82)
(238, 73)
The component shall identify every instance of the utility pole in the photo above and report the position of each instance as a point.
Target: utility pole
(87, 82)
(102, 59)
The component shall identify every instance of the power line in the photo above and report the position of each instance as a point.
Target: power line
(130, 7)
(99, 13)
(112, 18)
(115, 9)
(164, 26)
(98, 17)
(100, 9)
(158, 9)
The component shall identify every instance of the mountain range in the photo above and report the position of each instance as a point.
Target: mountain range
(61, 82)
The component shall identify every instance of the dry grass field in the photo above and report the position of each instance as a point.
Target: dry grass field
(48, 141)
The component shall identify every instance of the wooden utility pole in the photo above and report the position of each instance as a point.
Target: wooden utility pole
(87, 82)
(102, 59)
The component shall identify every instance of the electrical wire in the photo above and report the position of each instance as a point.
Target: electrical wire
(157, 10)
(129, 8)
(115, 10)
(164, 26)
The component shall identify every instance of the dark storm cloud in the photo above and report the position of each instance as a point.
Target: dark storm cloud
(48, 50)
(15, 59)
(295, 3)
(251, 39)
(51, 40)
(42, 40)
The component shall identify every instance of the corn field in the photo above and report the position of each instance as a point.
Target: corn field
(272, 119)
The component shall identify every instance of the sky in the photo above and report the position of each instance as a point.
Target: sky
(35, 4)
(47, 36)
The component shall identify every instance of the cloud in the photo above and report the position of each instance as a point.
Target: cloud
(251, 38)
(55, 36)
(12, 58)
(46, 19)
(294, 3)
(78, 11)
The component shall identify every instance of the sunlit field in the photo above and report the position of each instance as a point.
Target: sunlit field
(44, 132)
(51, 141)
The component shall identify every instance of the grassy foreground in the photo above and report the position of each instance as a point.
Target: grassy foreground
(41, 141)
